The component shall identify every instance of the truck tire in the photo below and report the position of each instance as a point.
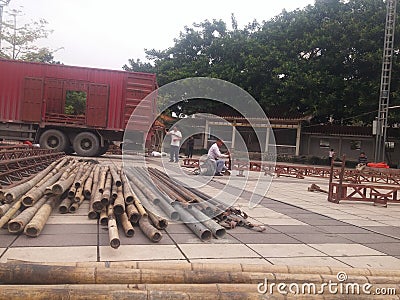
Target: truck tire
(86, 144)
(54, 139)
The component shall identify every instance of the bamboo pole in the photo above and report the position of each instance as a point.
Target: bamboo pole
(116, 177)
(157, 221)
(19, 190)
(84, 177)
(126, 225)
(149, 230)
(31, 273)
(106, 197)
(66, 180)
(119, 202)
(145, 292)
(132, 213)
(93, 214)
(4, 208)
(112, 228)
(103, 216)
(36, 225)
(126, 189)
(5, 226)
(10, 213)
(87, 189)
(18, 224)
(78, 200)
(102, 179)
(65, 205)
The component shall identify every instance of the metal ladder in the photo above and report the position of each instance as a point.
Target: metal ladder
(381, 124)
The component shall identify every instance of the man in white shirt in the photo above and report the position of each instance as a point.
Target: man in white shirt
(215, 155)
(176, 137)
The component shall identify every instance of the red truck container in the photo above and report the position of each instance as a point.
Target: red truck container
(33, 105)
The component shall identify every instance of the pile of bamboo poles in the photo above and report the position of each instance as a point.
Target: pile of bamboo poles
(149, 280)
(117, 198)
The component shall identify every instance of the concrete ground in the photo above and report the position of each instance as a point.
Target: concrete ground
(302, 228)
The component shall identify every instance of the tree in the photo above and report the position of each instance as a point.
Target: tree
(324, 59)
(19, 41)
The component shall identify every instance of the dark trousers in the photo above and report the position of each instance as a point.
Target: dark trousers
(174, 153)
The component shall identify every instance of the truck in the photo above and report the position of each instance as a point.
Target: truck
(71, 108)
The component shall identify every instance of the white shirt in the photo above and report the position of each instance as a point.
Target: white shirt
(176, 137)
(214, 153)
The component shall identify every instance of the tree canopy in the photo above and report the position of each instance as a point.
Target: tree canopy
(19, 41)
(324, 59)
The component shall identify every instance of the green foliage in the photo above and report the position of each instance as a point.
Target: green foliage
(19, 41)
(75, 103)
(324, 59)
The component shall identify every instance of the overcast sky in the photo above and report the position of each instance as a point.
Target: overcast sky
(105, 34)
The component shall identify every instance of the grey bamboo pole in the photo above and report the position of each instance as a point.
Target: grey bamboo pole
(4, 208)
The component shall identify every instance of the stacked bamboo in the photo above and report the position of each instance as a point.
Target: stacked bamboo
(149, 280)
(26, 207)
(119, 199)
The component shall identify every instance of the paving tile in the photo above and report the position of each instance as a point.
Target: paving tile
(178, 228)
(364, 223)
(341, 229)
(51, 254)
(7, 239)
(279, 221)
(385, 262)
(221, 251)
(296, 229)
(56, 240)
(389, 230)
(69, 228)
(321, 238)
(240, 229)
(392, 249)
(137, 239)
(70, 219)
(328, 221)
(140, 252)
(249, 261)
(285, 250)
(270, 238)
(191, 238)
(345, 249)
(307, 261)
(372, 238)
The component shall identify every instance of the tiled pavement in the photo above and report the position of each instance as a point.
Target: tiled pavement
(302, 228)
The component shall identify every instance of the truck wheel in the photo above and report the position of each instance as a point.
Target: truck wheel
(54, 139)
(86, 144)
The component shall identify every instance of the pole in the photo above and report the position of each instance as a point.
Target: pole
(381, 131)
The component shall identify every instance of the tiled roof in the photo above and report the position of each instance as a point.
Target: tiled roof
(338, 130)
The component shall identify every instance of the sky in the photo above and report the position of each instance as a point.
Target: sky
(106, 34)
